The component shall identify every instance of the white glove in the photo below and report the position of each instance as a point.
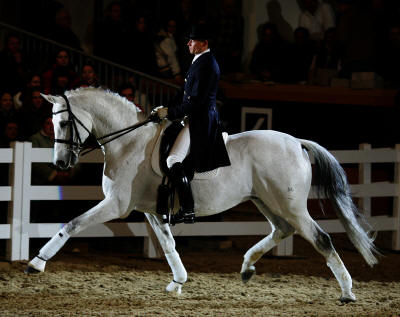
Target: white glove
(162, 112)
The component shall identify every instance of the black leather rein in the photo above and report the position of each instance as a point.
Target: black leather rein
(73, 120)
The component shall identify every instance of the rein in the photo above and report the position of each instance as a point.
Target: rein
(73, 120)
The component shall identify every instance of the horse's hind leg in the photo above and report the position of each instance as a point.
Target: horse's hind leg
(281, 229)
(106, 210)
(321, 241)
(167, 242)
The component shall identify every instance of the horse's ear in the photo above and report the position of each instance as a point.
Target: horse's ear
(48, 98)
(52, 99)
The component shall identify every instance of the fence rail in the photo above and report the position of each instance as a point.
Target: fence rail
(20, 192)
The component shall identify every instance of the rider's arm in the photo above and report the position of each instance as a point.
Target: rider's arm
(197, 95)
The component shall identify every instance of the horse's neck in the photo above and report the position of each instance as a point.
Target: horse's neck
(110, 114)
(111, 117)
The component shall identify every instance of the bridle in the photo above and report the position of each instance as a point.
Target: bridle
(73, 121)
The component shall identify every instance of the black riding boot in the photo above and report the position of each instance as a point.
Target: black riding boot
(182, 185)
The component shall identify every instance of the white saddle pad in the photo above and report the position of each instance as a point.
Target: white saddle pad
(155, 157)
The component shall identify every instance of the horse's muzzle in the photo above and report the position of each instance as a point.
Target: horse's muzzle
(62, 164)
(68, 162)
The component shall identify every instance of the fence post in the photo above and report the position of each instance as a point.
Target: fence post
(284, 248)
(364, 177)
(396, 202)
(26, 201)
(13, 246)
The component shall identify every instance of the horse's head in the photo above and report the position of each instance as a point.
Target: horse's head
(71, 128)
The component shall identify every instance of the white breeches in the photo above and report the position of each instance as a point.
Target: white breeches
(181, 147)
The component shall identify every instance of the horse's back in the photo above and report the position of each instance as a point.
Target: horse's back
(260, 143)
(271, 155)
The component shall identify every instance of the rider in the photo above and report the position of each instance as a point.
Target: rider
(202, 133)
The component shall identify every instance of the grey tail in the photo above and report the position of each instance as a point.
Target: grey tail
(331, 182)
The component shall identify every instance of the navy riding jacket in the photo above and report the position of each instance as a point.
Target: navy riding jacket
(198, 103)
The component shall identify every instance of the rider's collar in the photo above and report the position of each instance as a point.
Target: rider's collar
(198, 55)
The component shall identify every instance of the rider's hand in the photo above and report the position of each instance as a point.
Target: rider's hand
(162, 112)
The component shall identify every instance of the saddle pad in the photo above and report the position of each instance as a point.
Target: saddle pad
(155, 157)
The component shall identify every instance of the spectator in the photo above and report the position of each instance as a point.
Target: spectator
(33, 112)
(61, 31)
(111, 36)
(166, 52)
(326, 62)
(61, 68)
(328, 55)
(274, 13)
(60, 82)
(229, 41)
(88, 77)
(268, 59)
(21, 96)
(317, 17)
(47, 173)
(7, 110)
(10, 133)
(129, 92)
(356, 39)
(14, 65)
(142, 56)
(301, 54)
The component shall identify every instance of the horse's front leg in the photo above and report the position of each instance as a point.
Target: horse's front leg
(106, 210)
(167, 242)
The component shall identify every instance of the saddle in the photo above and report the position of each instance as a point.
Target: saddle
(166, 190)
(167, 136)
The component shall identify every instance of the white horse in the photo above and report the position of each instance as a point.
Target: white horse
(271, 169)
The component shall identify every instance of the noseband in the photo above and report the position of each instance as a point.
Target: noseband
(72, 122)
(77, 147)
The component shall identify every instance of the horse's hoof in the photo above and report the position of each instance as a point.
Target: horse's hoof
(174, 287)
(248, 274)
(31, 270)
(347, 299)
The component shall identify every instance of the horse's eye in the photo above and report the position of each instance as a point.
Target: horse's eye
(63, 124)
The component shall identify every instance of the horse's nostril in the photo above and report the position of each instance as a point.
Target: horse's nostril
(60, 164)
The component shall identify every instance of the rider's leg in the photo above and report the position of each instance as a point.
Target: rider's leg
(180, 149)
(178, 153)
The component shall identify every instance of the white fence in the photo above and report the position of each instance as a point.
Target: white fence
(20, 192)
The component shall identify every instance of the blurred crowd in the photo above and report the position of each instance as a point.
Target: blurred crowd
(334, 39)
(340, 37)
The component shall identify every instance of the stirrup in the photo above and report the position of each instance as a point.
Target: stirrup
(181, 216)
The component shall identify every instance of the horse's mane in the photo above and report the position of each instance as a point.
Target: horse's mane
(113, 96)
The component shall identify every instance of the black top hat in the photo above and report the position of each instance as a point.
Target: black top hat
(200, 32)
